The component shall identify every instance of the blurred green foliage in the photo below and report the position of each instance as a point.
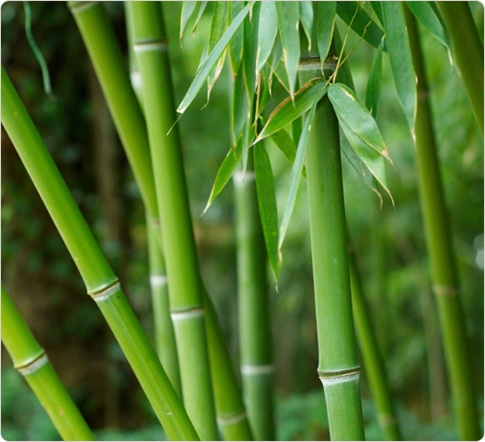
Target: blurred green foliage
(389, 241)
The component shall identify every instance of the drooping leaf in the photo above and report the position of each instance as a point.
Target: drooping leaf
(211, 60)
(284, 142)
(288, 26)
(306, 19)
(224, 174)
(296, 173)
(267, 204)
(354, 114)
(236, 43)
(202, 7)
(268, 29)
(325, 13)
(361, 22)
(289, 110)
(373, 90)
(251, 28)
(188, 10)
(401, 60)
(240, 106)
(429, 18)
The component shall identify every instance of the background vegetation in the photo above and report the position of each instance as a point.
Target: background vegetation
(45, 286)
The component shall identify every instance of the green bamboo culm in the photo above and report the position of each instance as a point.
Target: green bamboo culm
(253, 306)
(467, 52)
(31, 361)
(443, 268)
(338, 366)
(185, 291)
(374, 366)
(101, 283)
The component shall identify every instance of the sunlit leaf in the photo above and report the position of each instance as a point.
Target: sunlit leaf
(288, 26)
(268, 29)
(401, 60)
(211, 60)
(267, 204)
(427, 16)
(361, 22)
(354, 114)
(288, 110)
(306, 19)
(296, 173)
(325, 13)
(373, 90)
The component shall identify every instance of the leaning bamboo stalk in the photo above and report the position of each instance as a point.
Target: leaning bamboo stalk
(253, 305)
(338, 366)
(185, 292)
(101, 283)
(31, 361)
(467, 52)
(443, 268)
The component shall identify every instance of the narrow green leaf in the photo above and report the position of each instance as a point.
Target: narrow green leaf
(224, 174)
(199, 15)
(325, 15)
(211, 60)
(250, 50)
(267, 204)
(284, 142)
(429, 18)
(401, 60)
(360, 21)
(268, 29)
(373, 90)
(353, 113)
(306, 19)
(188, 10)
(236, 43)
(240, 107)
(296, 173)
(288, 24)
(288, 110)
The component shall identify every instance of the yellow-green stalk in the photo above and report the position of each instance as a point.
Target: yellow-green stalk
(31, 361)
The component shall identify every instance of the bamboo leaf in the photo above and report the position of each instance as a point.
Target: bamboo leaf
(356, 117)
(284, 142)
(236, 43)
(267, 204)
(199, 15)
(211, 60)
(250, 50)
(188, 10)
(360, 21)
(325, 15)
(401, 60)
(373, 90)
(268, 29)
(288, 24)
(224, 174)
(289, 110)
(296, 173)
(430, 19)
(306, 19)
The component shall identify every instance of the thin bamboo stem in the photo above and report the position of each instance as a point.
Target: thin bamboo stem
(254, 323)
(101, 283)
(444, 273)
(467, 51)
(338, 366)
(176, 225)
(31, 361)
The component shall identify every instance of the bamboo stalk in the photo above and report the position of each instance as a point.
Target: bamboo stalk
(373, 364)
(101, 283)
(467, 52)
(31, 361)
(176, 225)
(338, 366)
(444, 273)
(254, 323)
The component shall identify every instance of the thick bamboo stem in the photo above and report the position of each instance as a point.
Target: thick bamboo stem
(31, 361)
(176, 225)
(467, 51)
(444, 273)
(101, 283)
(254, 311)
(338, 365)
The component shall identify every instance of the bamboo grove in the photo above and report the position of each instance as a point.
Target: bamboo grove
(291, 86)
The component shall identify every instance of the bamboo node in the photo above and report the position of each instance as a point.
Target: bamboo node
(443, 290)
(256, 369)
(151, 45)
(158, 280)
(33, 365)
(81, 6)
(106, 292)
(240, 177)
(337, 377)
(231, 418)
(187, 314)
